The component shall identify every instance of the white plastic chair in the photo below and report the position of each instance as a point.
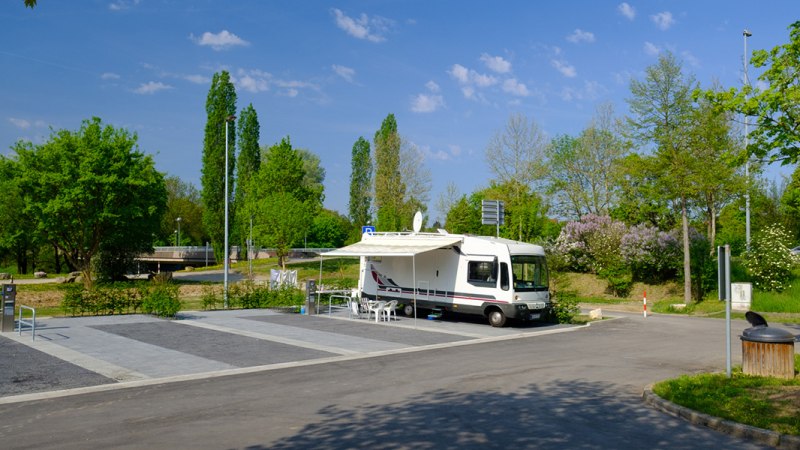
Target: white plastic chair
(390, 310)
(377, 308)
(354, 308)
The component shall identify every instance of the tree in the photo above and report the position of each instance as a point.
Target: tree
(661, 112)
(183, 200)
(416, 178)
(582, 170)
(516, 155)
(447, 200)
(790, 205)
(281, 204)
(30, 3)
(18, 235)
(92, 193)
(360, 184)
(313, 174)
(776, 109)
(249, 160)
(389, 186)
(220, 108)
(328, 230)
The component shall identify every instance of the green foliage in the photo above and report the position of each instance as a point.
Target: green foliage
(161, 299)
(704, 266)
(328, 230)
(220, 105)
(101, 300)
(249, 295)
(565, 307)
(769, 262)
(210, 298)
(389, 186)
(360, 184)
(247, 165)
(183, 200)
(776, 109)
(750, 400)
(93, 193)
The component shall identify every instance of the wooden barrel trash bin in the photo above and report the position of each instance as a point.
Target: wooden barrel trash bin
(766, 351)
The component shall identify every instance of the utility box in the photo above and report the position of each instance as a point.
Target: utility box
(311, 297)
(9, 303)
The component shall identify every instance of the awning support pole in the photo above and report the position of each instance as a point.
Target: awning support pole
(414, 277)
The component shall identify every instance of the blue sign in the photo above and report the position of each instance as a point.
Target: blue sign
(367, 229)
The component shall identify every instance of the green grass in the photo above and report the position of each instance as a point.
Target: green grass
(763, 402)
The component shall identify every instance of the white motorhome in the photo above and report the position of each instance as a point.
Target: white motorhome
(497, 278)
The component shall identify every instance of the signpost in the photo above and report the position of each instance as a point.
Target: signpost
(724, 288)
(367, 229)
(493, 213)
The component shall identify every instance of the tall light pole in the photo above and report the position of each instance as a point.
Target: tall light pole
(179, 231)
(746, 34)
(228, 120)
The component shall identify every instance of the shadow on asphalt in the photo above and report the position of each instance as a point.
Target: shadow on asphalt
(556, 415)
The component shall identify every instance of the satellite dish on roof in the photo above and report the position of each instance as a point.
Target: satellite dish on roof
(417, 221)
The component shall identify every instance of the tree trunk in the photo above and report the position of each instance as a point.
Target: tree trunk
(57, 259)
(687, 271)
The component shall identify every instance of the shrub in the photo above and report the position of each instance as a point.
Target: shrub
(769, 262)
(652, 255)
(591, 244)
(161, 299)
(116, 299)
(210, 298)
(564, 307)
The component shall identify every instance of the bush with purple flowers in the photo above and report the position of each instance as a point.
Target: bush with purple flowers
(652, 255)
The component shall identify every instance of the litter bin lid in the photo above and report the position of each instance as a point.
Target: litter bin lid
(767, 334)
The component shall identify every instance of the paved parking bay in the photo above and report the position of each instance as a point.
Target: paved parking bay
(83, 352)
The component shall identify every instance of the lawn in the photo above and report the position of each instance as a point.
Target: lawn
(769, 403)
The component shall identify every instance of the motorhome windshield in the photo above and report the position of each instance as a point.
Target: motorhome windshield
(529, 273)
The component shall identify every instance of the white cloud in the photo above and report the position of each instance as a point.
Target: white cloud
(151, 87)
(579, 36)
(20, 123)
(514, 87)
(220, 41)
(109, 76)
(663, 20)
(460, 73)
(120, 5)
(432, 86)
(363, 27)
(627, 10)
(470, 79)
(690, 58)
(426, 103)
(496, 63)
(651, 49)
(252, 80)
(455, 150)
(564, 67)
(345, 72)
(591, 91)
(197, 79)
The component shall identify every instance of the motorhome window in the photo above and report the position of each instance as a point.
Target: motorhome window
(504, 276)
(529, 273)
(482, 273)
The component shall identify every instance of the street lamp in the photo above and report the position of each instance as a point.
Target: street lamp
(746, 33)
(228, 120)
(179, 231)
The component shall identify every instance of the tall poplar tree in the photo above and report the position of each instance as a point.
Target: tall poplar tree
(360, 183)
(249, 160)
(389, 186)
(220, 106)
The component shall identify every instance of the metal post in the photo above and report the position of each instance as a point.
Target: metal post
(250, 248)
(746, 33)
(724, 286)
(179, 231)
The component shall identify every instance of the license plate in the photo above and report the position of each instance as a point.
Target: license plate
(534, 316)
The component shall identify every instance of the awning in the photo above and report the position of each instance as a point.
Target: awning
(395, 245)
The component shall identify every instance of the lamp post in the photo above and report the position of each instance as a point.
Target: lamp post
(228, 120)
(746, 34)
(179, 231)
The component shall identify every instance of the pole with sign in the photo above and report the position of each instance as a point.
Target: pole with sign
(724, 288)
(493, 213)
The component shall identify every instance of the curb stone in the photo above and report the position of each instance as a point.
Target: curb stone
(747, 432)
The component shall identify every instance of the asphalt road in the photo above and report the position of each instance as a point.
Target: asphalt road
(580, 389)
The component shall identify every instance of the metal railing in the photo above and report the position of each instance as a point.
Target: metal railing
(30, 323)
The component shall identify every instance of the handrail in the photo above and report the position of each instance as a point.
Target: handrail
(31, 323)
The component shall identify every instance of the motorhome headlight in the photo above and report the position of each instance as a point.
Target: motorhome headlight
(536, 305)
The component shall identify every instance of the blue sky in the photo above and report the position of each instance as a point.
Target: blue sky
(325, 73)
